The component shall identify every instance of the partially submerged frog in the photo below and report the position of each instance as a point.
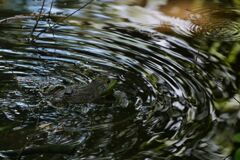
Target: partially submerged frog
(80, 94)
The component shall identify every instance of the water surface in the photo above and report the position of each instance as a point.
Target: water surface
(168, 78)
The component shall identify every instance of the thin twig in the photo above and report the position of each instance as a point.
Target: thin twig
(85, 5)
(54, 25)
(38, 19)
(49, 16)
(15, 18)
(50, 10)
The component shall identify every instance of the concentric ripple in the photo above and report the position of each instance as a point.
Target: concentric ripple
(217, 24)
(221, 24)
(160, 109)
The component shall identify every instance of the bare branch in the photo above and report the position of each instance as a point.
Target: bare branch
(54, 25)
(35, 26)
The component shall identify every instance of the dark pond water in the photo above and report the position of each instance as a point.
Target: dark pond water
(174, 62)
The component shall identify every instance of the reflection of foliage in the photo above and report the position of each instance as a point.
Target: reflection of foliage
(229, 52)
(236, 139)
(225, 51)
(237, 154)
(228, 105)
(236, 2)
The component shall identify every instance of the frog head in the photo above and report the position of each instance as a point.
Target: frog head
(108, 86)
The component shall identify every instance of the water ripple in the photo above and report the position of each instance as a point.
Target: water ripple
(164, 101)
(217, 24)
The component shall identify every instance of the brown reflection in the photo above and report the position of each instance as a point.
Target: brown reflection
(199, 12)
(141, 3)
(181, 9)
